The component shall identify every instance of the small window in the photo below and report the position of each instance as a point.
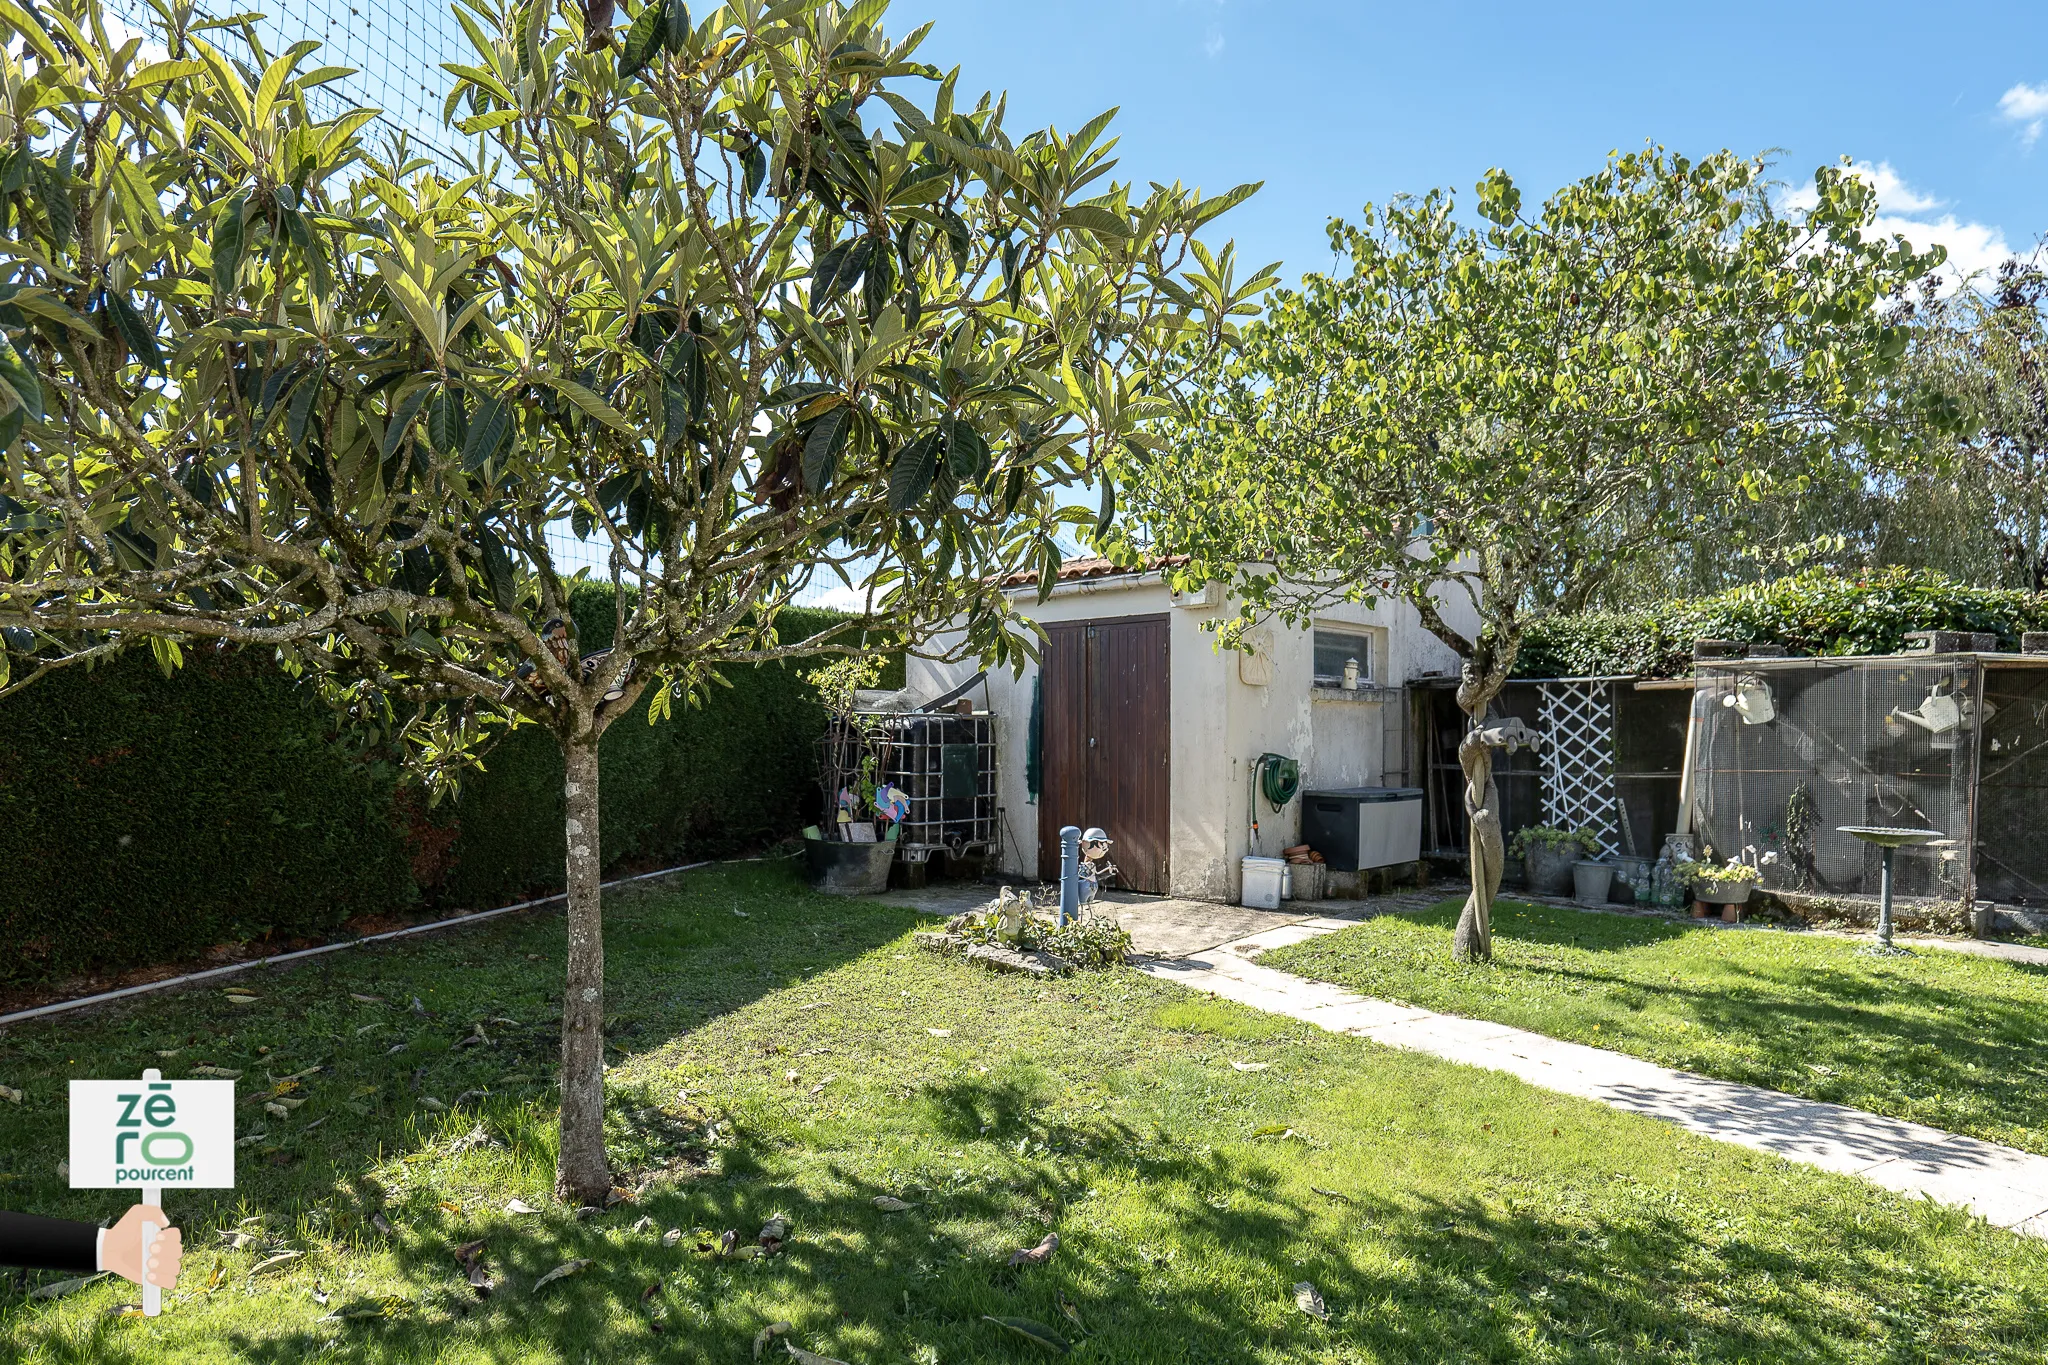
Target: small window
(1334, 648)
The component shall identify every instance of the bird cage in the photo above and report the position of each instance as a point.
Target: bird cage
(2012, 784)
(1788, 751)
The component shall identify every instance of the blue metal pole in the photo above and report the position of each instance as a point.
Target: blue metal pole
(1070, 874)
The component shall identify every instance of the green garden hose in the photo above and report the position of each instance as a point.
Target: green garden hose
(1279, 778)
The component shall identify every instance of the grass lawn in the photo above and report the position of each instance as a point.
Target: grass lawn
(1941, 1038)
(787, 1054)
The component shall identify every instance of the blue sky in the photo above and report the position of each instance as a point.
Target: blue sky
(1334, 103)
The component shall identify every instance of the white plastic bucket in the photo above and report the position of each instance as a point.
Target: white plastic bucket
(1262, 882)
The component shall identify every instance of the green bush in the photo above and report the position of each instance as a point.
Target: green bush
(145, 819)
(1812, 613)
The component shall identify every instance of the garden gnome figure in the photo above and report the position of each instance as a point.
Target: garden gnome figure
(1010, 909)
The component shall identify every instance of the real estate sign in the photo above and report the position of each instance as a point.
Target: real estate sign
(127, 1135)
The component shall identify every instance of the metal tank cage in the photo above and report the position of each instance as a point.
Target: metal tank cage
(945, 762)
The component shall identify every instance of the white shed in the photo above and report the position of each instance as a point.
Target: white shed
(1151, 731)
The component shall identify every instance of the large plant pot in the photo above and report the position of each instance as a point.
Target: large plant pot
(1722, 893)
(1592, 883)
(849, 869)
(1550, 869)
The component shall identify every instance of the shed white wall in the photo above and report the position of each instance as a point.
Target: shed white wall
(1219, 723)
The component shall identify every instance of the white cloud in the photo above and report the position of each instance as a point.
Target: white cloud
(2026, 105)
(1213, 44)
(1905, 212)
(1894, 195)
(1972, 247)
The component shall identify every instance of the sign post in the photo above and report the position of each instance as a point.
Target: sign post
(144, 1135)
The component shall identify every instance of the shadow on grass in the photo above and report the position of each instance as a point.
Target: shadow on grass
(399, 1048)
(1458, 1279)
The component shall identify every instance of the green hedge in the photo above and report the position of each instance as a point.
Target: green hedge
(709, 781)
(145, 819)
(1809, 613)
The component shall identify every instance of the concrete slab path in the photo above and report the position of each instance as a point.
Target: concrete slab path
(2006, 1186)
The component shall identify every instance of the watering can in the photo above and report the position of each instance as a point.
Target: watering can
(1751, 700)
(1937, 715)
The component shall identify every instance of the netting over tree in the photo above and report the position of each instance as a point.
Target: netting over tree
(397, 49)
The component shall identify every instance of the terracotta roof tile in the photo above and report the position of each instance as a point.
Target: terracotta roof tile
(1073, 570)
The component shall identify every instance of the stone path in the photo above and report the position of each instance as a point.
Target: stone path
(2006, 1186)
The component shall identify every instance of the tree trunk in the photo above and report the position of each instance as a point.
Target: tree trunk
(582, 1175)
(1473, 941)
(1482, 679)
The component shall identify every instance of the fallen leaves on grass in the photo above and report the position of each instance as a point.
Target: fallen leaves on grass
(1330, 1194)
(470, 1256)
(1037, 1255)
(219, 1073)
(671, 1237)
(359, 997)
(1310, 1301)
(803, 1357)
(519, 1206)
(766, 1335)
(889, 1203)
(1035, 1332)
(1072, 1313)
(1249, 1066)
(10, 1094)
(277, 1262)
(940, 1032)
(561, 1272)
(371, 1309)
(774, 1233)
(64, 1287)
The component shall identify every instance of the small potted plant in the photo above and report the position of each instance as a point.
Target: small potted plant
(1548, 855)
(1724, 884)
(849, 854)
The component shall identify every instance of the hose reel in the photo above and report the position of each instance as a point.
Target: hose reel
(1277, 778)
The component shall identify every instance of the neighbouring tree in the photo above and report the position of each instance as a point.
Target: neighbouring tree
(748, 299)
(1485, 421)
(1985, 346)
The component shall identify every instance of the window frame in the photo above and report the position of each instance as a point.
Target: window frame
(1368, 671)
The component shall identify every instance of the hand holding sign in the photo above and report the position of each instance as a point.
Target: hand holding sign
(143, 1135)
(123, 1254)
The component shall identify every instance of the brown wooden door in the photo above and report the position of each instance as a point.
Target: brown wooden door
(1106, 736)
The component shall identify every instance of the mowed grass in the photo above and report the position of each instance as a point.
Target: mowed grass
(788, 1054)
(1942, 1038)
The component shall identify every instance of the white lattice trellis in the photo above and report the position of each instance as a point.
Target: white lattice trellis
(1578, 760)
